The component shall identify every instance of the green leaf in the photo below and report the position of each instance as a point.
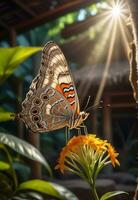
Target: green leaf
(67, 194)
(4, 166)
(4, 115)
(40, 186)
(111, 194)
(24, 148)
(10, 58)
(28, 195)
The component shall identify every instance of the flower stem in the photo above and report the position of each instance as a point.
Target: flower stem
(94, 192)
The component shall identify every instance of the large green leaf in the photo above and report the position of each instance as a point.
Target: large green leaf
(28, 195)
(111, 194)
(40, 186)
(48, 188)
(67, 194)
(23, 148)
(5, 115)
(10, 58)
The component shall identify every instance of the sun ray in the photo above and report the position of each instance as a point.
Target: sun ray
(107, 65)
(111, 24)
(100, 44)
(116, 11)
(99, 47)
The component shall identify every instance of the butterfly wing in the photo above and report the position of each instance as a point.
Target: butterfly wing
(55, 73)
(55, 110)
(45, 110)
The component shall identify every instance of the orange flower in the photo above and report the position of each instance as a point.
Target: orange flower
(113, 155)
(86, 144)
(85, 156)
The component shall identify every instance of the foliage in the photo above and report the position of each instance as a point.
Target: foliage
(52, 30)
(39, 186)
(4, 115)
(10, 58)
(9, 185)
(24, 148)
(47, 188)
(109, 195)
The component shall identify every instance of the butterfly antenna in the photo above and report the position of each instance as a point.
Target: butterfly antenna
(88, 100)
(95, 106)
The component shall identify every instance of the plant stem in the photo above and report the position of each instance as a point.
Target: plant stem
(11, 165)
(93, 189)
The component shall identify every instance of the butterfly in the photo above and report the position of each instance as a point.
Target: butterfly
(52, 101)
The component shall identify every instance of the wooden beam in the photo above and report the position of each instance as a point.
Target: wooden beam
(120, 93)
(10, 12)
(51, 15)
(123, 116)
(124, 105)
(34, 139)
(24, 7)
(107, 130)
(54, 13)
(12, 37)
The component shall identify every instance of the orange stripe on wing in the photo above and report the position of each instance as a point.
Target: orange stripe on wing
(67, 94)
(59, 89)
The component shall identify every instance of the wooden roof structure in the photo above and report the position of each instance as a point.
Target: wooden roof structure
(22, 15)
(94, 73)
(88, 79)
(84, 49)
(17, 16)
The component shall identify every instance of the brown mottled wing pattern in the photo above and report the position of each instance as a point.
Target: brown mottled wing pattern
(52, 97)
(45, 110)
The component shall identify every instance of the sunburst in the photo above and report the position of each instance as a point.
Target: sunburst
(116, 15)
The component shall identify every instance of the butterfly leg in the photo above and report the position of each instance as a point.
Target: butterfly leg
(85, 129)
(79, 130)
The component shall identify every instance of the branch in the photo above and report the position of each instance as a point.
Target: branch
(136, 192)
(133, 76)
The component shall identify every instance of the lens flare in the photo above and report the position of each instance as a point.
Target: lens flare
(116, 11)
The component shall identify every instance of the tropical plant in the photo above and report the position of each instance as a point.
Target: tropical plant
(10, 188)
(86, 156)
(10, 59)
